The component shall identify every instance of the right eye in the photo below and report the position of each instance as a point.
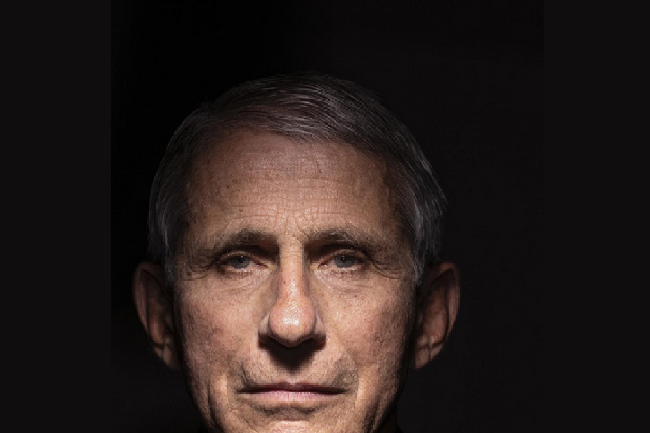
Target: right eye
(238, 262)
(345, 261)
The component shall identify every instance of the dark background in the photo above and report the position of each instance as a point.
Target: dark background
(465, 76)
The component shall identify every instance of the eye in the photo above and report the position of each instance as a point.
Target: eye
(345, 261)
(238, 262)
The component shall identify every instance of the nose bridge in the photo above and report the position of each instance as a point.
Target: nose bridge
(293, 275)
(293, 317)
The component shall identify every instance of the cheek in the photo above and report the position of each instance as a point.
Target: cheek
(208, 342)
(375, 332)
(376, 340)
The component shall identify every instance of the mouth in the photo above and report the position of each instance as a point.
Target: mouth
(284, 393)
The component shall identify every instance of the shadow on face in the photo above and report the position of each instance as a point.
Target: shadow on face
(293, 307)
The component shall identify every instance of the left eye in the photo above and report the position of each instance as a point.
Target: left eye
(239, 262)
(344, 261)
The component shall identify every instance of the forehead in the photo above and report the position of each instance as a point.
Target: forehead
(260, 179)
(271, 155)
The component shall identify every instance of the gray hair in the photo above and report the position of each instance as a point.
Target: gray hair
(306, 107)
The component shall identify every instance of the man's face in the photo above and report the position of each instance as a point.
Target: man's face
(294, 303)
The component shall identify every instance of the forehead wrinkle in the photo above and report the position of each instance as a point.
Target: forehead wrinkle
(248, 179)
(267, 153)
(231, 198)
(271, 190)
(209, 220)
(263, 158)
(305, 167)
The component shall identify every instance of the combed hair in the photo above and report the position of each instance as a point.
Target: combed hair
(307, 107)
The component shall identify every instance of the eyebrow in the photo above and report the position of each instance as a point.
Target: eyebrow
(247, 237)
(222, 242)
(352, 236)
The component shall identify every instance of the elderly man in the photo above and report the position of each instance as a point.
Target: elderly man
(294, 234)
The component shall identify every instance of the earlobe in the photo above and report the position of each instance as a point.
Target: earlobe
(437, 311)
(155, 310)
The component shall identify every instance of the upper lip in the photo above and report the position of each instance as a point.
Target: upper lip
(293, 387)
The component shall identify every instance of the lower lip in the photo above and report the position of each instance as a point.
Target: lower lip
(286, 396)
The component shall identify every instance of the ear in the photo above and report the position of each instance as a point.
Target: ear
(155, 310)
(437, 310)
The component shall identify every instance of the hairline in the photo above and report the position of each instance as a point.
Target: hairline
(307, 108)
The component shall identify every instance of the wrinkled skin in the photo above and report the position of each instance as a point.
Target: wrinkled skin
(294, 308)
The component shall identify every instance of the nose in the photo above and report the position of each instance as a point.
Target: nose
(293, 318)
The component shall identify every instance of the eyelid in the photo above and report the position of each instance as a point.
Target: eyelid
(221, 261)
(361, 257)
(253, 251)
(341, 248)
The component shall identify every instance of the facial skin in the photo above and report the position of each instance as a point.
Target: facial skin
(293, 306)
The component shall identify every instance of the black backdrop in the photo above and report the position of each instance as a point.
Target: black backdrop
(465, 76)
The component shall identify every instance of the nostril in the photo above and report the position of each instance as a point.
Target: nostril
(292, 318)
(292, 324)
(291, 321)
